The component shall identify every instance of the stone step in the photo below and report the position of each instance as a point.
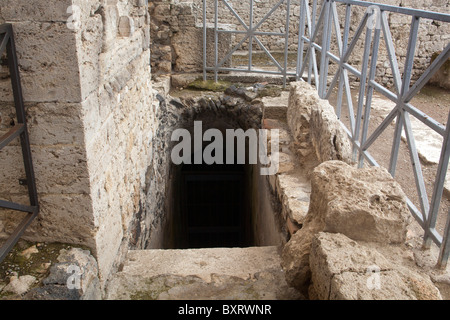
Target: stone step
(276, 107)
(251, 273)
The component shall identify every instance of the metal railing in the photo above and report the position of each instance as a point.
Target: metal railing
(249, 33)
(315, 39)
(19, 130)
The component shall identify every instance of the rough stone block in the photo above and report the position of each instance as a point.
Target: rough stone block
(54, 123)
(363, 204)
(35, 10)
(313, 120)
(342, 269)
(49, 69)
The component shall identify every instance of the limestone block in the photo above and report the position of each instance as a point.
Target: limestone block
(64, 218)
(11, 170)
(110, 25)
(55, 123)
(119, 57)
(342, 269)
(61, 169)
(364, 204)
(313, 120)
(295, 257)
(48, 61)
(295, 192)
(89, 47)
(35, 10)
(126, 26)
(58, 169)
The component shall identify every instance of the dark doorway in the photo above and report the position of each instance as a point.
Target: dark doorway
(213, 206)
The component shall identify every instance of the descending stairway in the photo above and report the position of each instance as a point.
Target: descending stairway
(252, 273)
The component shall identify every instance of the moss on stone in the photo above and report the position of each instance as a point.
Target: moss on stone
(36, 264)
(270, 91)
(154, 287)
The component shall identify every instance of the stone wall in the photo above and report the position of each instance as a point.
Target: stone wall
(177, 38)
(177, 43)
(88, 99)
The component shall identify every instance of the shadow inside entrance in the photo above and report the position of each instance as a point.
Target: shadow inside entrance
(213, 209)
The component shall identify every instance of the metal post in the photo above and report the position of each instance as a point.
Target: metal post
(445, 246)
(250, 38)
(404, 88)
(438, 186)
(362, 87)
(286, 42)
(325, 48)
(216, 18)
(372, 72)
(301, 32)
(204, 40)
(342, 71)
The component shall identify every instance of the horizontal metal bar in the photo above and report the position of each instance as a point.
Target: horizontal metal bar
(11, 134)
(15, 236)
(251, 71)
(255, 33)
(17, 206)
(404, 10)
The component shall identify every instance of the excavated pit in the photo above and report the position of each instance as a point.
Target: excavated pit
(219, 205)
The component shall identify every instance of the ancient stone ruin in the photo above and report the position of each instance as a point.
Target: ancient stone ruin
(105, 85)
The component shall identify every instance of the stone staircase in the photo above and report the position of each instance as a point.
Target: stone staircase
(252, 273)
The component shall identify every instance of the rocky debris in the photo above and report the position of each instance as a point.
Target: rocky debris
(343, 269)
(73, 277)
(19, 284)
(364, 204)
(46, 271)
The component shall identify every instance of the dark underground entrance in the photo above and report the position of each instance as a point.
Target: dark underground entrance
(221, 205)
(213, 208)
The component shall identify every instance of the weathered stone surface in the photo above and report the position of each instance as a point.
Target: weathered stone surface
(314, 122)
(73, 277)
(342, 269)
(20, 285)
(35, 10)
(364, 204)
(211, 273)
